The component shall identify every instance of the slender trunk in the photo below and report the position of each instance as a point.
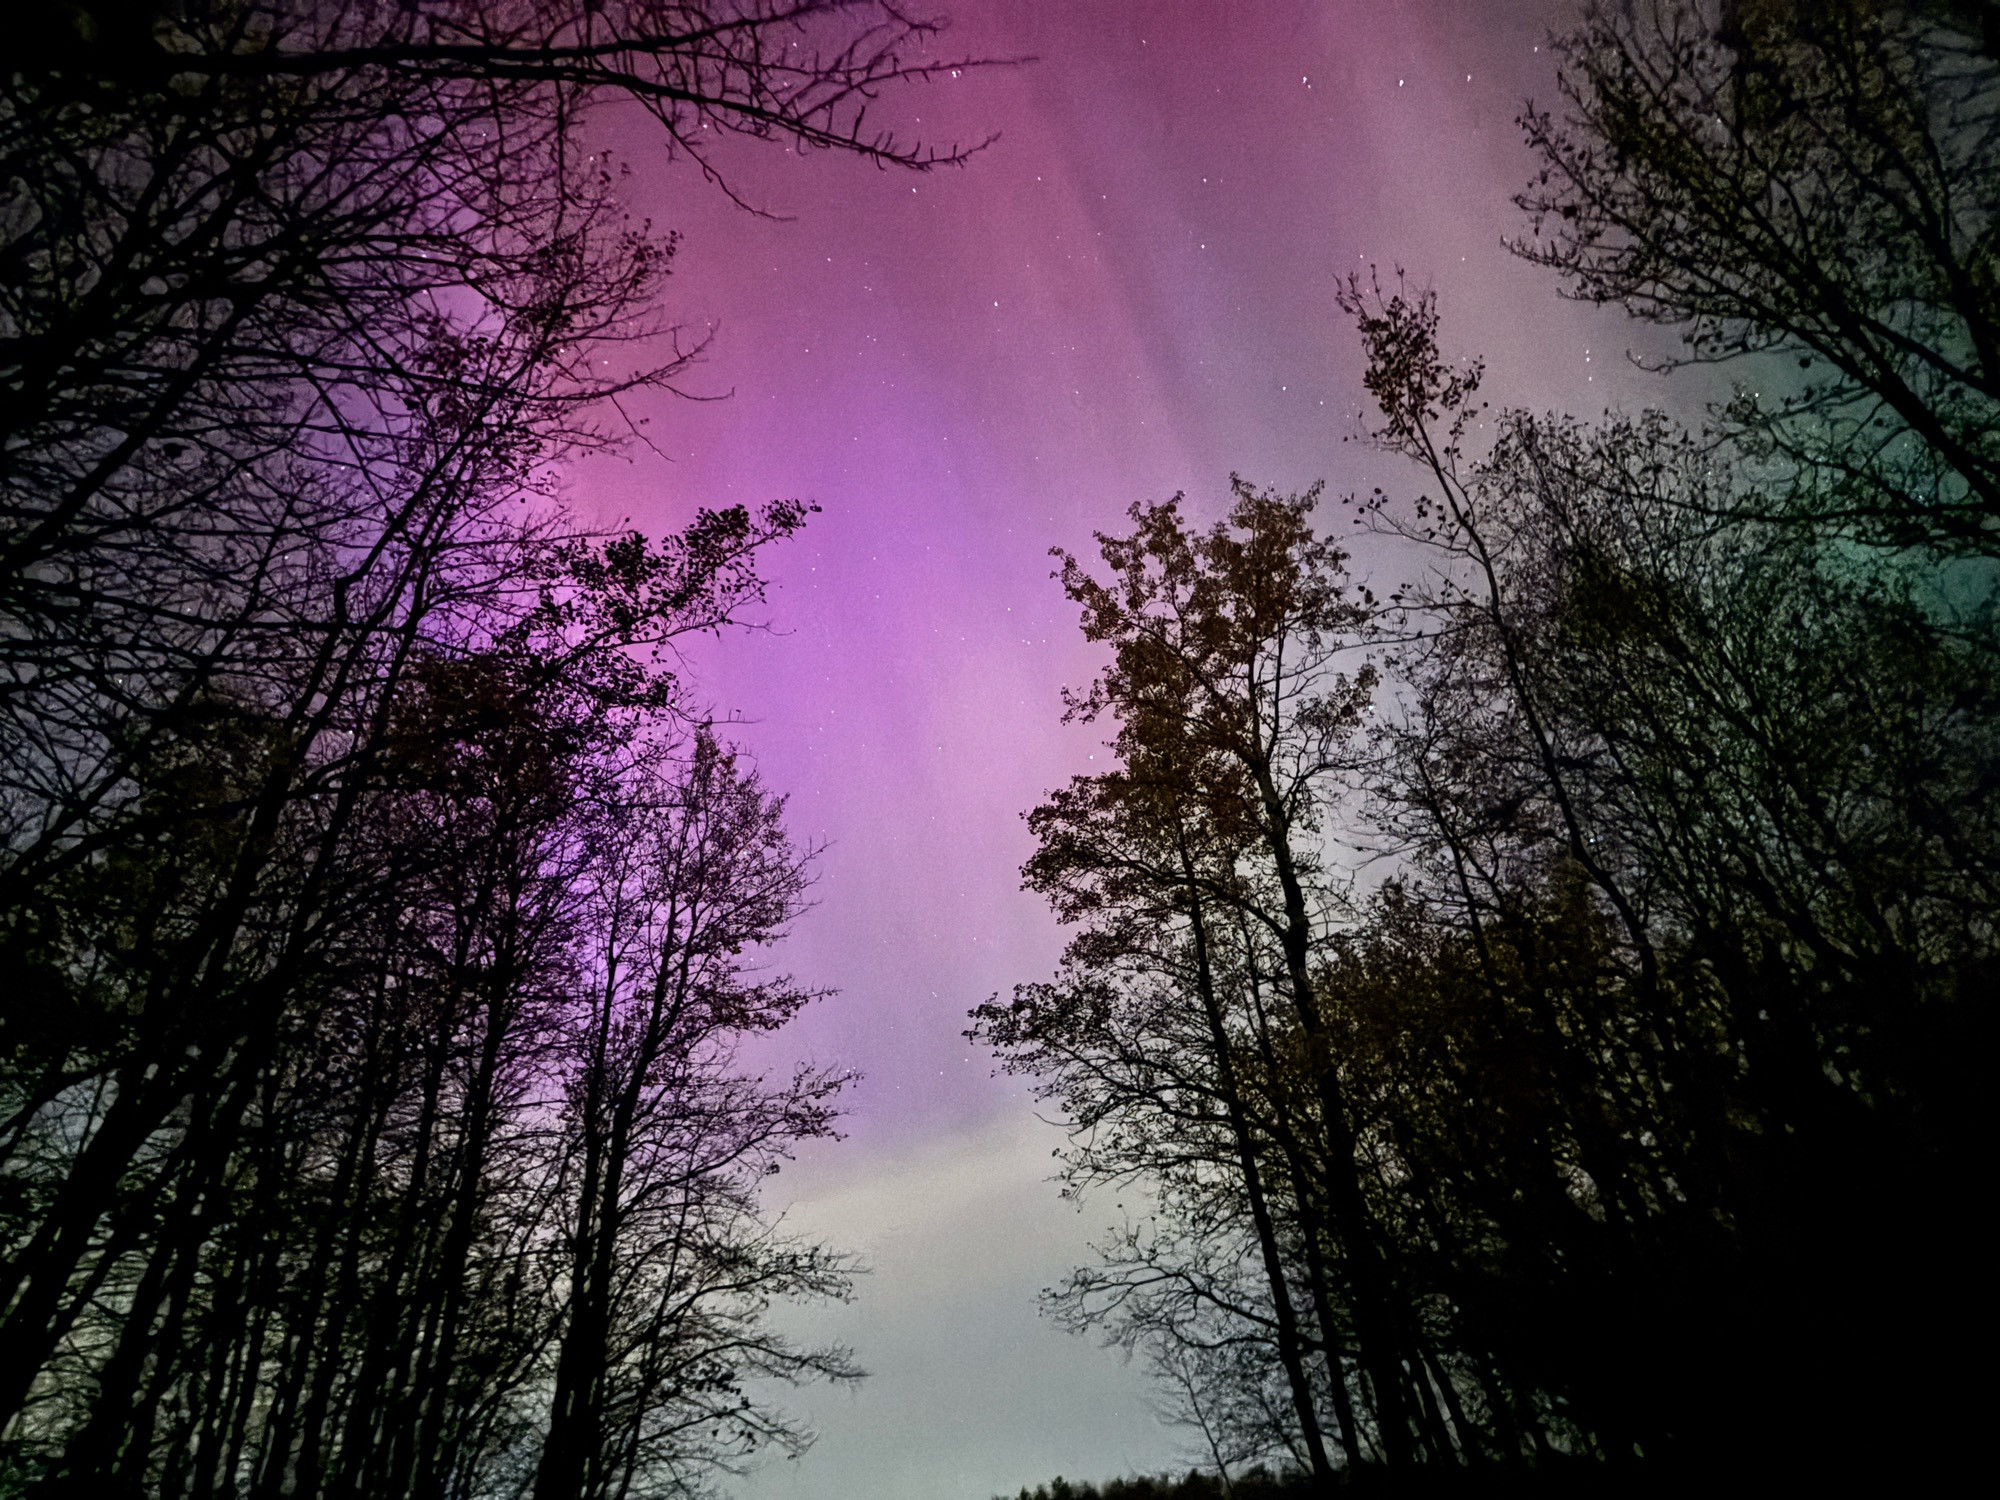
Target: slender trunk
(95, 1450)
(393, 1312)
(305, 1469)
(559, 1475)
(313, 1328)
(1290, 1349)
(1436, 1436)
(1312, 1224)
(242, 1317)
(36, 1318)
(455, 1259)
(1468, 1436)
(1375, 1317)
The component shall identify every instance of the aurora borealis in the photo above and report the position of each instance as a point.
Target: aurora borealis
(1071, 750)
(1130, 293)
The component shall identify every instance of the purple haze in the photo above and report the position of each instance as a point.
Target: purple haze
(1130, 294)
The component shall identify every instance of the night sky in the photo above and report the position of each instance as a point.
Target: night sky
(1130, 294)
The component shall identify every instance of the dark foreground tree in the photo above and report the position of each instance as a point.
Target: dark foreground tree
(1659, 1046)
(1194, 874)
(1817, 181)
(1656, 1061)
(313, 711)
(664, 1142)
(1710, 809)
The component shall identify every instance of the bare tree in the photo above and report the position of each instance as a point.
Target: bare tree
(301, 671)
(1816, 183)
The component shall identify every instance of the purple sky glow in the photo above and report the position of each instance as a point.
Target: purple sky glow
(1130, 294)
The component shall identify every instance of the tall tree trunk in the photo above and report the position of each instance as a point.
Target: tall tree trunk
(1290, 1348)
(1376, 1320)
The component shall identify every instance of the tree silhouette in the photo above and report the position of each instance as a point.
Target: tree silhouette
(1816, 183)
(1624, 1121)
(323, 734)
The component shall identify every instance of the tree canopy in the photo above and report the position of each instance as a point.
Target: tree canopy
(1546, 1006)
(382, 920)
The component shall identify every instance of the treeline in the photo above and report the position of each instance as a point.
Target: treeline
(1258, 1482)
(379, 924)
(1252, 1484)
(1545, 1015)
